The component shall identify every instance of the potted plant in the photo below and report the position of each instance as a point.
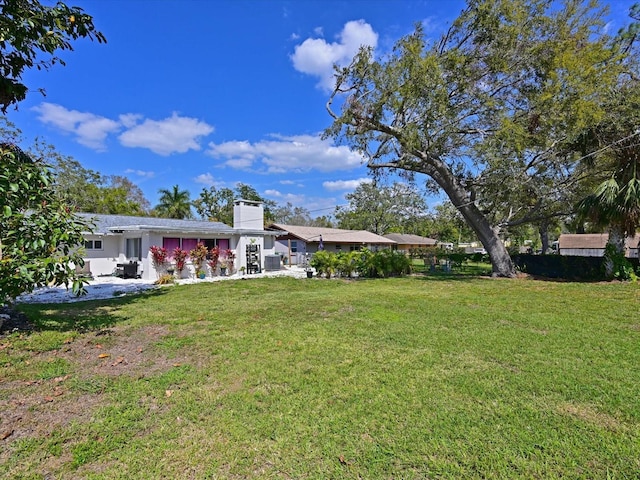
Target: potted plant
(198, 256)
(200, 274)
(242, 269)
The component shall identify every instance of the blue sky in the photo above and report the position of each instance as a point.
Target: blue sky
(210, 93)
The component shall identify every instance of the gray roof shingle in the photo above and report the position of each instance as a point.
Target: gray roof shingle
(111, 223)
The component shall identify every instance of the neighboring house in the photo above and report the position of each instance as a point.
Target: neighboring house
(120, 241)
(406, 242)
(593, 244)
(294, 242)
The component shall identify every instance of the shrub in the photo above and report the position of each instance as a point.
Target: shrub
(198, 256)
(180, 257)
(165, 279)
(212, 260)
(159, 258)
(324, 262)
(228, 260)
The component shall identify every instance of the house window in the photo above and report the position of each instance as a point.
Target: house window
(134, 248)
(93, 244)
(294, 246)
(170, 243)
(209, 243)
(338, 247)
(189, 244)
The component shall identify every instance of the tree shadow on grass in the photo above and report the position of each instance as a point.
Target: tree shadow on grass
(83, 315)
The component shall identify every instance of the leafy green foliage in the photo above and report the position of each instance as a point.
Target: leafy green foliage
(217, 204)
(28, 30)
(39, 235)
(380, 264)
(382, 209)
(487, 111)
(174, 203)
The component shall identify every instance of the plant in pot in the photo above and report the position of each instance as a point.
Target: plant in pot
(159, 259)
(198, 256)
(213, 258)
(180, 259)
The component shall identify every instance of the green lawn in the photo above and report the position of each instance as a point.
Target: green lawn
(423, 377)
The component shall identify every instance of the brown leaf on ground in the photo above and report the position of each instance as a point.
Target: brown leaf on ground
(5, 435)
(104, 355)
(168, 393)
(118, 361)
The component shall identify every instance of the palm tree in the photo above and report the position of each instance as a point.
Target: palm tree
(615, 202)
(174, 203)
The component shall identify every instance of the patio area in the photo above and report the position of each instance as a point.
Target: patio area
(111, 286)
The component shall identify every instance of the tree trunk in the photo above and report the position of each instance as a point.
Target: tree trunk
(501, 263)
(543, 230)
(615, 245)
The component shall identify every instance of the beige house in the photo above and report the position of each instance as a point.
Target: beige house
(295, 242)
(593, 244)
(406, 242)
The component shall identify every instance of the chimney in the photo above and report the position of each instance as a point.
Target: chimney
(248, 215)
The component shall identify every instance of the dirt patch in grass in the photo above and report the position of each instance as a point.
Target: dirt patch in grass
(590, 415)
(37, 408)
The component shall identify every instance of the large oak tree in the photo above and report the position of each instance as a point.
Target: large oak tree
(484, 112)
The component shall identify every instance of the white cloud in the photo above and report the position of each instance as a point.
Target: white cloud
(299, 153)
(129, 119)
(286, 197)
(316, 57)
(140, 173)
(90, 130)
(209, 180)
(345, 184)
(174, 134)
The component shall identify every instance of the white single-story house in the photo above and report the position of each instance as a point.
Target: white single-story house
(406, 241)
(593, 244)
(121, 243)
(294, 242)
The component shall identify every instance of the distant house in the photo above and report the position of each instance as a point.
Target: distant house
(120, 242)
(593, 244)
(294, 242)
(406, 242)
